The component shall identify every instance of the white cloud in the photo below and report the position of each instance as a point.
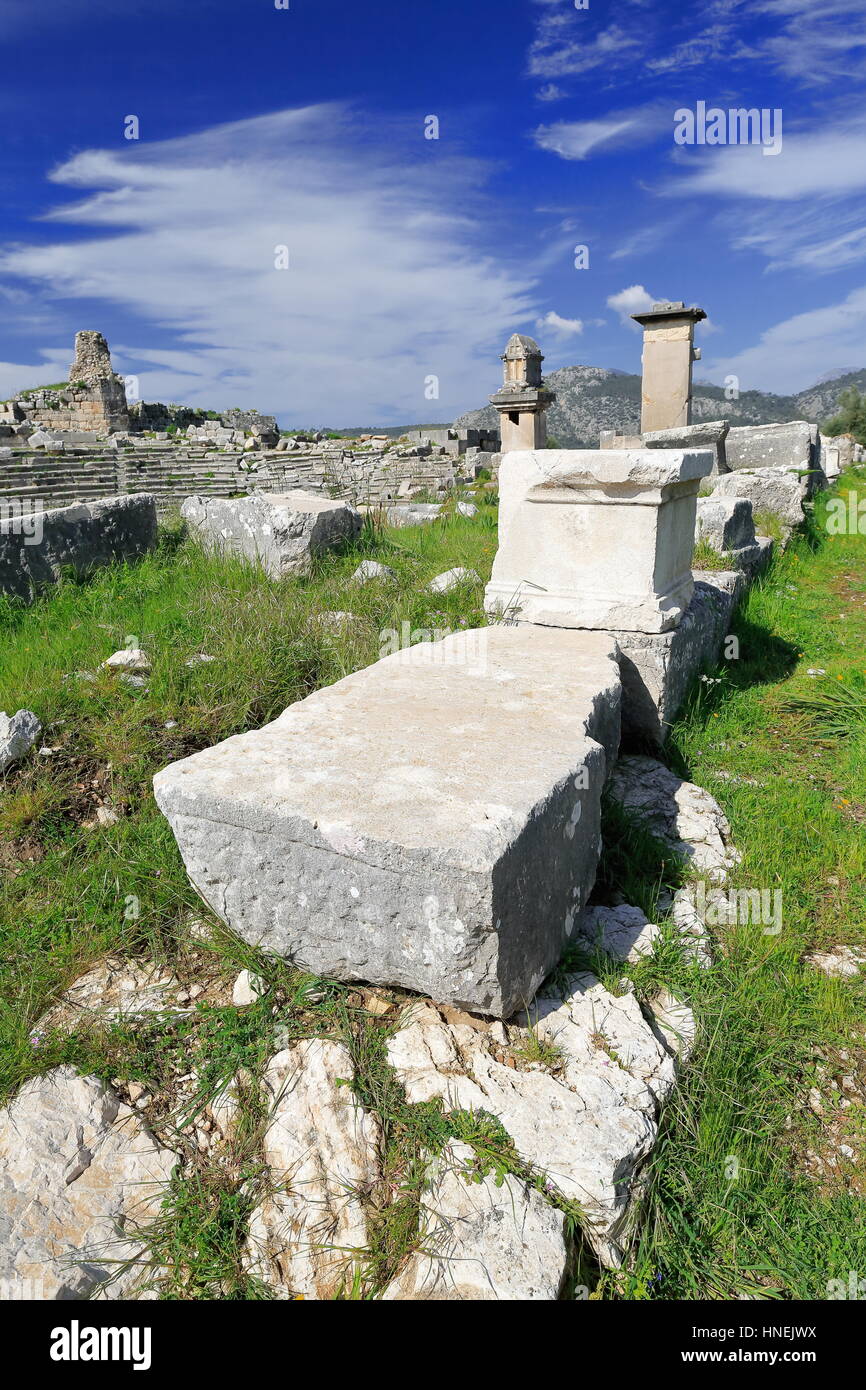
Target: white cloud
(791, 355)
(560, 327)
(830, 161)
(390, 282)
(549, 92)
(561, 47)
(638, 125)
(634, 299)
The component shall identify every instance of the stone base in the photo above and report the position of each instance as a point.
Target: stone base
(430, 822)
(658, 669)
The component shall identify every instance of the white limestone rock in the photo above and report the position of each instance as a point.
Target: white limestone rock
(79, 1175)
(309, 1237)
(130, 659)
(622, 932)
(246, 989)
(589, 1127)
(430, 822)
(482, 1240)
(116, 988)
(284, 532)
(466, 509)
(674, 1022)
(370, 571)
(679, 813)
(452, 579)
(840, 963)
(18, 736)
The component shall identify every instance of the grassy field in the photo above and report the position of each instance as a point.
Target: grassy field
(749, 1194)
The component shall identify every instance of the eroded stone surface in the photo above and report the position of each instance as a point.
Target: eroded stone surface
(115, 988)
(79, 1174)
(484, 1240)
(309, 1237)
(432, 821)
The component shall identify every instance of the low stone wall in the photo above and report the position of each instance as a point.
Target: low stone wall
(35, 548)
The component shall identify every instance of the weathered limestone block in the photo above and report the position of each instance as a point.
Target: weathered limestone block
(284, 532)
(679, 813)
(786, 445)
(781, 491)
(431, 821)
(726, 524)
(18, 735)
(590, 1126)
(79, 1174)
(597, 538)
(657, 669)
(484, 1240)
(708, 434)
(309, 1236)
(83, 537)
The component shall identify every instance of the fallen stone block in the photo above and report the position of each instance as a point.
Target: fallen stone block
(617, 529)
(482, 1238)
(786, 445)
(658, 669)
(726, 523)
(82, 538)
(782, 491)
(283, 532)
(17, 736)
(431, 821)
(706, 434)
(79, 1175)
(309, 1237)
(369, 571)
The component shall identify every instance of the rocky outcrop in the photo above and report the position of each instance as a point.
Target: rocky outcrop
(79, 1176)
(482, 1238)
(308, 1238)
(18, 735)
(684, 817)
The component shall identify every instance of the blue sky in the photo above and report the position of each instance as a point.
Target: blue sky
(411, 258)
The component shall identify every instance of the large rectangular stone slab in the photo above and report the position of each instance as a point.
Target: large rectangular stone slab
(284, 532)
(787, 445)
(430, 822)
(36, 547)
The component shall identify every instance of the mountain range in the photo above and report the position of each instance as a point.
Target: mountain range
(592, 399)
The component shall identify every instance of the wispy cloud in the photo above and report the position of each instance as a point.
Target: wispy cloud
(387, 286)
(826, 161)
(635, 126)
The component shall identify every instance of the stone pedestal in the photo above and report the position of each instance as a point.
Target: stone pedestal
(592, 538)
(522, 399)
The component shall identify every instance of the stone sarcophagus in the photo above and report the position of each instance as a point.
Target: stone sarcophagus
(595, 538)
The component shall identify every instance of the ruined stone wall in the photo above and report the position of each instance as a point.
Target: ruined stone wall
(173, 472)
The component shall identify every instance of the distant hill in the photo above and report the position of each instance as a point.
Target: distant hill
(592, 399)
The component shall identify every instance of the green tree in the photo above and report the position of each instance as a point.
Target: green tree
(851, 418)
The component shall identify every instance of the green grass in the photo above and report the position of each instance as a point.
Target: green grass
(734, 1207)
